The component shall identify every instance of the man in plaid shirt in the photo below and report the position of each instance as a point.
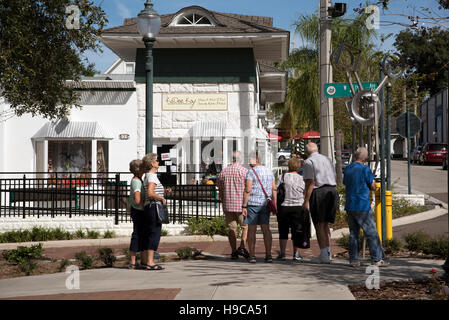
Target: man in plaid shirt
(231, 184)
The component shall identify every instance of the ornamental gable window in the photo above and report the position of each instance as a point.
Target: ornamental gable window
(192, 19)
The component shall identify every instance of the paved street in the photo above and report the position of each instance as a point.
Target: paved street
(429, 179)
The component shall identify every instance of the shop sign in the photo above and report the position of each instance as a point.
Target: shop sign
(195, 101)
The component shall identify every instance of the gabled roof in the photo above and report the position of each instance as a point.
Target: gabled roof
(226, 23)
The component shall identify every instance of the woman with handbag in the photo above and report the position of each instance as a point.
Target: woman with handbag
(290, 199)
(154, 191)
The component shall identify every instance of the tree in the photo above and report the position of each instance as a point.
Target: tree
(42, 47)
(426, 54)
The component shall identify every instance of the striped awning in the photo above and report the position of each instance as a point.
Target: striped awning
(65, 129)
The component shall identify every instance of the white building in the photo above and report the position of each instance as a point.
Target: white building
(222, 61)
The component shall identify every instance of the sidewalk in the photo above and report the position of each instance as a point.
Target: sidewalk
(218, 279)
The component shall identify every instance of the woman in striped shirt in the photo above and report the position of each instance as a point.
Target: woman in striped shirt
(154, 191)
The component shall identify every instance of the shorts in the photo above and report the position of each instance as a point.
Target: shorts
(234, 218)
(285, 220)
(257, 215)
(323, 204)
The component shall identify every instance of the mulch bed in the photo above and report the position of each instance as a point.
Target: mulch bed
(399, 290)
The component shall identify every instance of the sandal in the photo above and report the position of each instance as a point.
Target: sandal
(132, 266)
(155, 267)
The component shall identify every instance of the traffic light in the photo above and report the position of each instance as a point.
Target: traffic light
(337, 10)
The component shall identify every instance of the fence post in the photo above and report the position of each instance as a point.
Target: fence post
(70, 196)
(117, 181)
(197, 205)
(24, 192)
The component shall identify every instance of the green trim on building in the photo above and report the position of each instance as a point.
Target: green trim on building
(204, 65)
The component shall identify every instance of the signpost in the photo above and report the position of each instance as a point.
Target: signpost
(408, 125)
(341, 90)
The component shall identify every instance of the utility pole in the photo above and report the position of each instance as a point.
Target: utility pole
(326, 104)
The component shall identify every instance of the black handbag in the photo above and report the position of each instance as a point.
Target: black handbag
(162, 213)
(301, 232)
(281, 192)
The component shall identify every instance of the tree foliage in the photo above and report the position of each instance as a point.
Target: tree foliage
(38, 53)
(426, 56)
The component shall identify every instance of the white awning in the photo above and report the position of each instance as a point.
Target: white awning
(64, 129)
(221, 129)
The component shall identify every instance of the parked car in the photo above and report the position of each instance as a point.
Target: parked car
(345, 157)
(445, 162)
(433, 152)
(283, 154)
(414, 155)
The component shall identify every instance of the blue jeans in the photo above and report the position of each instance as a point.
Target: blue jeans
(364, 220)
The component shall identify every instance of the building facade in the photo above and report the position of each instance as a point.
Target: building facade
(434, 116)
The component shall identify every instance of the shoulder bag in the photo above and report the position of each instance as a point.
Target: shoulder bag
(281, 192)
(162, 212)
(270, 204)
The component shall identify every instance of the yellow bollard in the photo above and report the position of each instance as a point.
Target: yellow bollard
(378, 212)
(389, 214)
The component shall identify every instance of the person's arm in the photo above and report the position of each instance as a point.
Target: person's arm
(275, 191)
(308, 193)
(248, 187)
(373, 185)
(153, 195)
(137, 197)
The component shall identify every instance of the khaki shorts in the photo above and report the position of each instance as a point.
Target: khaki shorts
(232, 218)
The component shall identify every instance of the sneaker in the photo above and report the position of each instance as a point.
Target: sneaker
(234, 255)
(380, 263)
(252, 260)
(268, 259)
(243, 252)
(321, 259)
(355, 264)
(281, 256)
(297, 257)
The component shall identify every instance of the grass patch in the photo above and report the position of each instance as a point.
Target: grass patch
(186, 253)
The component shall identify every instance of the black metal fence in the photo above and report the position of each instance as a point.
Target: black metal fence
(106, 194)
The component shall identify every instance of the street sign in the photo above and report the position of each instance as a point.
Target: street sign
(341, 90)
(401, 124)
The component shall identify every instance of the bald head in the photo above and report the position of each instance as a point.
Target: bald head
(311, 148)
(361, 154)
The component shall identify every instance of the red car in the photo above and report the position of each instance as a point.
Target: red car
(433, 152)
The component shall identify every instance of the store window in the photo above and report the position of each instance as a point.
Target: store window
(70, 156)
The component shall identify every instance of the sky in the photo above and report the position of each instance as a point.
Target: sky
(283, 12)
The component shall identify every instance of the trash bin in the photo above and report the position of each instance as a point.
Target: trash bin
(110, 194)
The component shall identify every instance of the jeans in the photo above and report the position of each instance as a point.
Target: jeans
(364, 220)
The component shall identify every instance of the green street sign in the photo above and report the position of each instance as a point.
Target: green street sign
(341, 90)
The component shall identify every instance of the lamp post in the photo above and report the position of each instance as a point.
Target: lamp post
(446, 264)
(149, 24)
(388, 139)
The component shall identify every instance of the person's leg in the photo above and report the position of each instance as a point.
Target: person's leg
(320, 234)
(155, 236)
(264, 221)
(134, 245)
(252, 240)
(371, 235)
(243, 242)
(283, 229)
(232, 233)
(354, 231)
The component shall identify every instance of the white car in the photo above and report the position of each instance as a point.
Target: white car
(283, 154)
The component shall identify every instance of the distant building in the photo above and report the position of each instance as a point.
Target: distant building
(434, 113)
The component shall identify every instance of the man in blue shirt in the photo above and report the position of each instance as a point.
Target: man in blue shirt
(359, 180)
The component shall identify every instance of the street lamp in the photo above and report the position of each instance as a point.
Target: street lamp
(149, 23)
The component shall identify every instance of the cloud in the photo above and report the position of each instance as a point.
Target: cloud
(123, 10)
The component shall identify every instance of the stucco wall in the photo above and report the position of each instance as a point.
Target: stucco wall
(241, 113)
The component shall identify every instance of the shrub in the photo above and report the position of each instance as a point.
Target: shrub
(344, 241)
(27, 266)
(437, 246)
(204, 226)
(341, 189)
(63, 264)
(417, 241)
(401, 207)
(164, 232)
(57, 234)
(109, 234)
(85, 261)
(79, 234)
(393, 245)
(186, 253)
(93, 234)
(107, 256)
(23, 253)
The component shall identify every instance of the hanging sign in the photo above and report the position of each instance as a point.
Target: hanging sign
(195, 101)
